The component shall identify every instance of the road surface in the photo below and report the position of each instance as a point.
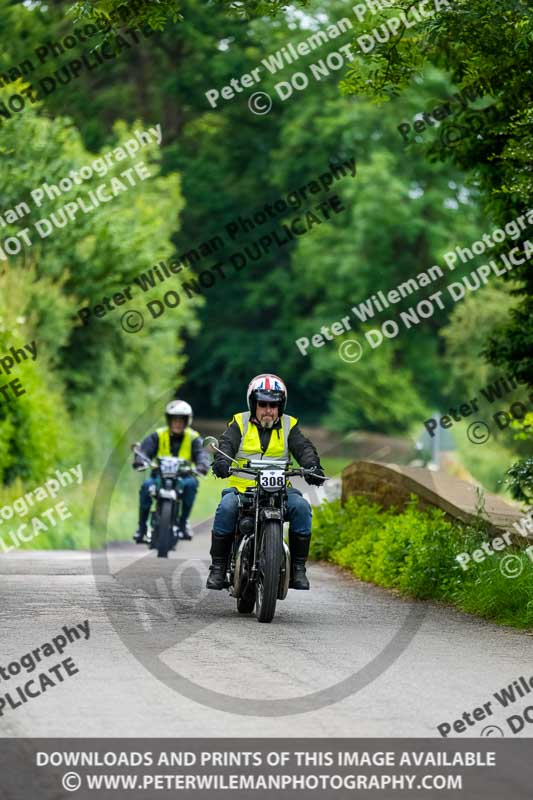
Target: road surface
(165, 657)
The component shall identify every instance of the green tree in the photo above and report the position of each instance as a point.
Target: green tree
(490, 46)
(142, 12)
(98, 366)
(471, 324)
(377, 393)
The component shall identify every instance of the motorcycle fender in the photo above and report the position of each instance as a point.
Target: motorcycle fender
(168, 494)
(271, 513)
(285, 573)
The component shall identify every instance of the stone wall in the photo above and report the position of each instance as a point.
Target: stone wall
(392, 485)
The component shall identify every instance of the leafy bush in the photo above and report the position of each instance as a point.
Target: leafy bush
(415, 553)
(521, 480)
(35, 431)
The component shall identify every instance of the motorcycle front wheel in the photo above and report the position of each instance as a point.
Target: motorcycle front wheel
(269, 565)
(164, 533)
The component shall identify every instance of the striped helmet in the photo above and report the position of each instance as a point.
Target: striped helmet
(266, 387)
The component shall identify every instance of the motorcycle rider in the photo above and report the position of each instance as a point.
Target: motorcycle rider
(180, 440)
(263, 431)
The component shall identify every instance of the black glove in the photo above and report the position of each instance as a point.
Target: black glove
(221, 468)
(137, 462)
(315, 480)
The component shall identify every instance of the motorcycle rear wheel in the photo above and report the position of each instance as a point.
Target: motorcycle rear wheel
(266, 587)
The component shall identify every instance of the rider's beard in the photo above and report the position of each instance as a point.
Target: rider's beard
(267, 422)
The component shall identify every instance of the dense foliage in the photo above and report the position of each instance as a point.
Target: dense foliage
(81, 369)
(479, 43)
(403, 210)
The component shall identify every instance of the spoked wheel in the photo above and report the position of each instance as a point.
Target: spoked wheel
(269, 564)
(164, 533)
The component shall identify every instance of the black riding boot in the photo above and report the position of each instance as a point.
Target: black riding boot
(140, 535)
(220, 550)
(299, 548)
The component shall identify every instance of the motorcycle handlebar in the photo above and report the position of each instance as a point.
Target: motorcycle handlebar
(147, 461)
(301, 472)
(183, 470)
(152, 464)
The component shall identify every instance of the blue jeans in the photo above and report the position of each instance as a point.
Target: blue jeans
(298, 512)
(190, 487)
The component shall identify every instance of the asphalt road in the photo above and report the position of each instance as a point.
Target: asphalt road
(165, 657)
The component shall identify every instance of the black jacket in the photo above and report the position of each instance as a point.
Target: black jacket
(150, 446)
(300, 446)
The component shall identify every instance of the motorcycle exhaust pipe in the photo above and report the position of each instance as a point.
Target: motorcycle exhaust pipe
(236, 589)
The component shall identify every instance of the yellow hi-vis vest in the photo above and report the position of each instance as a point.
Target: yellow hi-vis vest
(185, 451)
(250, 447)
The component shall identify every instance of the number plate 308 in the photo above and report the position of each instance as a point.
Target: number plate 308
(272, 479)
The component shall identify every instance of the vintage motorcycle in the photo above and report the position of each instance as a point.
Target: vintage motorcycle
(259, 565)
(168, 495)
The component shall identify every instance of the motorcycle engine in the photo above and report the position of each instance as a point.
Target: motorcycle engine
(246, 525)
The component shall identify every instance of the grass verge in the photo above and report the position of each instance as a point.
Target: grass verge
(74, 532)
(415, 553)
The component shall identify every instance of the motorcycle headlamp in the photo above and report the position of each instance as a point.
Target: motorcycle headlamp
(168, 466)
